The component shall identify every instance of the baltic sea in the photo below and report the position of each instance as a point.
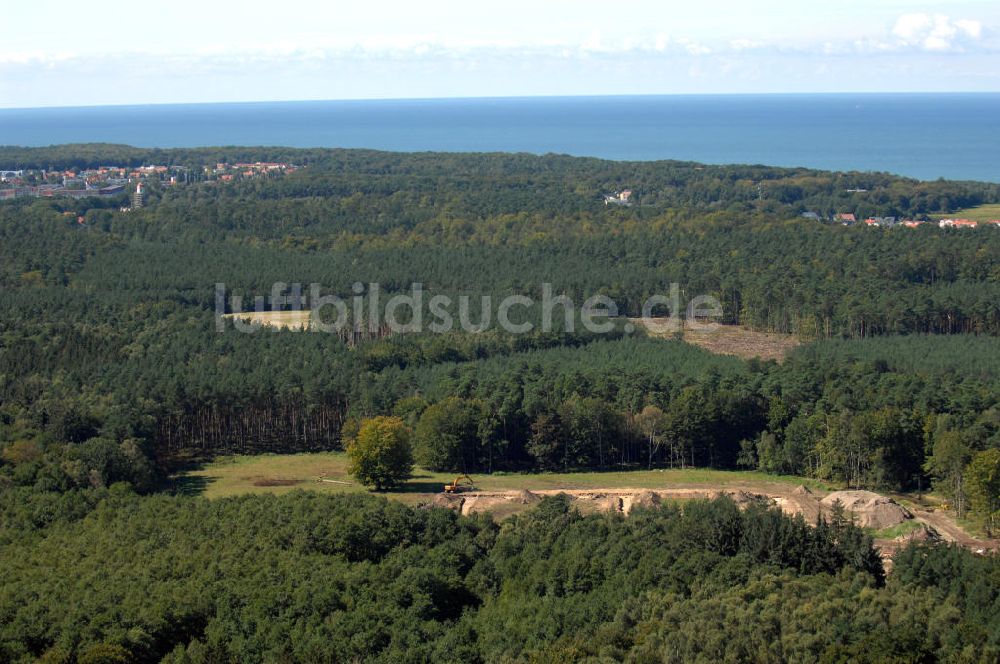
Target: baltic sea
(926, 136)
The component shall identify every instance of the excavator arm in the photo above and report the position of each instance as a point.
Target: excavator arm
(461, 483)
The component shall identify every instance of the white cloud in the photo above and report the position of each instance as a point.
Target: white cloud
(909, 26)
(746, 44)
(937, 33)
(33, 58)
(972, 28)
(912, 33)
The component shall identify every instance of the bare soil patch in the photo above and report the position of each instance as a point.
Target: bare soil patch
(525, 497)
(869, 509)
(289, 320)
(725, 339)
(448, 500)
(642, 500)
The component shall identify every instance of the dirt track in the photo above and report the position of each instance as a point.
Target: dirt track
(950, 531)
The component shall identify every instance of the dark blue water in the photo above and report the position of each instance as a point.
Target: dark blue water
(921, 135)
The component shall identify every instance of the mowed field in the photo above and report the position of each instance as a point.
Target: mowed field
(327, 472)
(979, 213)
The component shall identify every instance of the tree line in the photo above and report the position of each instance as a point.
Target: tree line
(319, 578)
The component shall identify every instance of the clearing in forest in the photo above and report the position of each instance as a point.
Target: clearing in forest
(290, 320)
(719, 339)
(979, 213)
(503, 494)
(327, 472)
(727, 339)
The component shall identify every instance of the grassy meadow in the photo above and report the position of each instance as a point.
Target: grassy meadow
(282, 473)
(978, 213)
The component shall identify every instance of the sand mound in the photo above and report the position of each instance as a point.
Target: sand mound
(646, 499)
(869, 509)
(802, 490)
(924, 533)
(525, 497)
(610, 504)
(488, 503)
(597, 503)
(447, 500)
(745, 498)
(641, 500)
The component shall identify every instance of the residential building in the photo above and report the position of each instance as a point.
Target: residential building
(138, 197)
(957, 223)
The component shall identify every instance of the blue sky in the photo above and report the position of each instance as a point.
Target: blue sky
(54, 53)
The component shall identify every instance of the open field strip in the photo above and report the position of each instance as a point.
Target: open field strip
(281, 473)
(978, 213)
(504, 494)
(719, 339)
(726, 339)
(292, 320)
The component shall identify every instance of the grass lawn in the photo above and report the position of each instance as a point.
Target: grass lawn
(972, 526)
(898, 530)
(978, 213)
(281, 473)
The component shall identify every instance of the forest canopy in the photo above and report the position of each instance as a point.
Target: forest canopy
(114, 373)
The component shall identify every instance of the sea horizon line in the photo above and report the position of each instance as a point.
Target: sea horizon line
(527, 97)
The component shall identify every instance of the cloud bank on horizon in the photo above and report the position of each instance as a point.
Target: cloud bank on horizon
(53, 55)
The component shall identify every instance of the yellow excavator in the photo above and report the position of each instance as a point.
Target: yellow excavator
(461, 483)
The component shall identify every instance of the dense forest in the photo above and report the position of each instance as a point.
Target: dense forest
(314, 578)
(115, 369)
(108, 332)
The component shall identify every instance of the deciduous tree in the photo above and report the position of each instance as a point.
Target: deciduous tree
(380, 454)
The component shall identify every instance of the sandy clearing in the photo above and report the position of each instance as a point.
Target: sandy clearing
(289, 320)
(724, 339)
(868, 509)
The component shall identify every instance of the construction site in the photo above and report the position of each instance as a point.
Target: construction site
(892, 524)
